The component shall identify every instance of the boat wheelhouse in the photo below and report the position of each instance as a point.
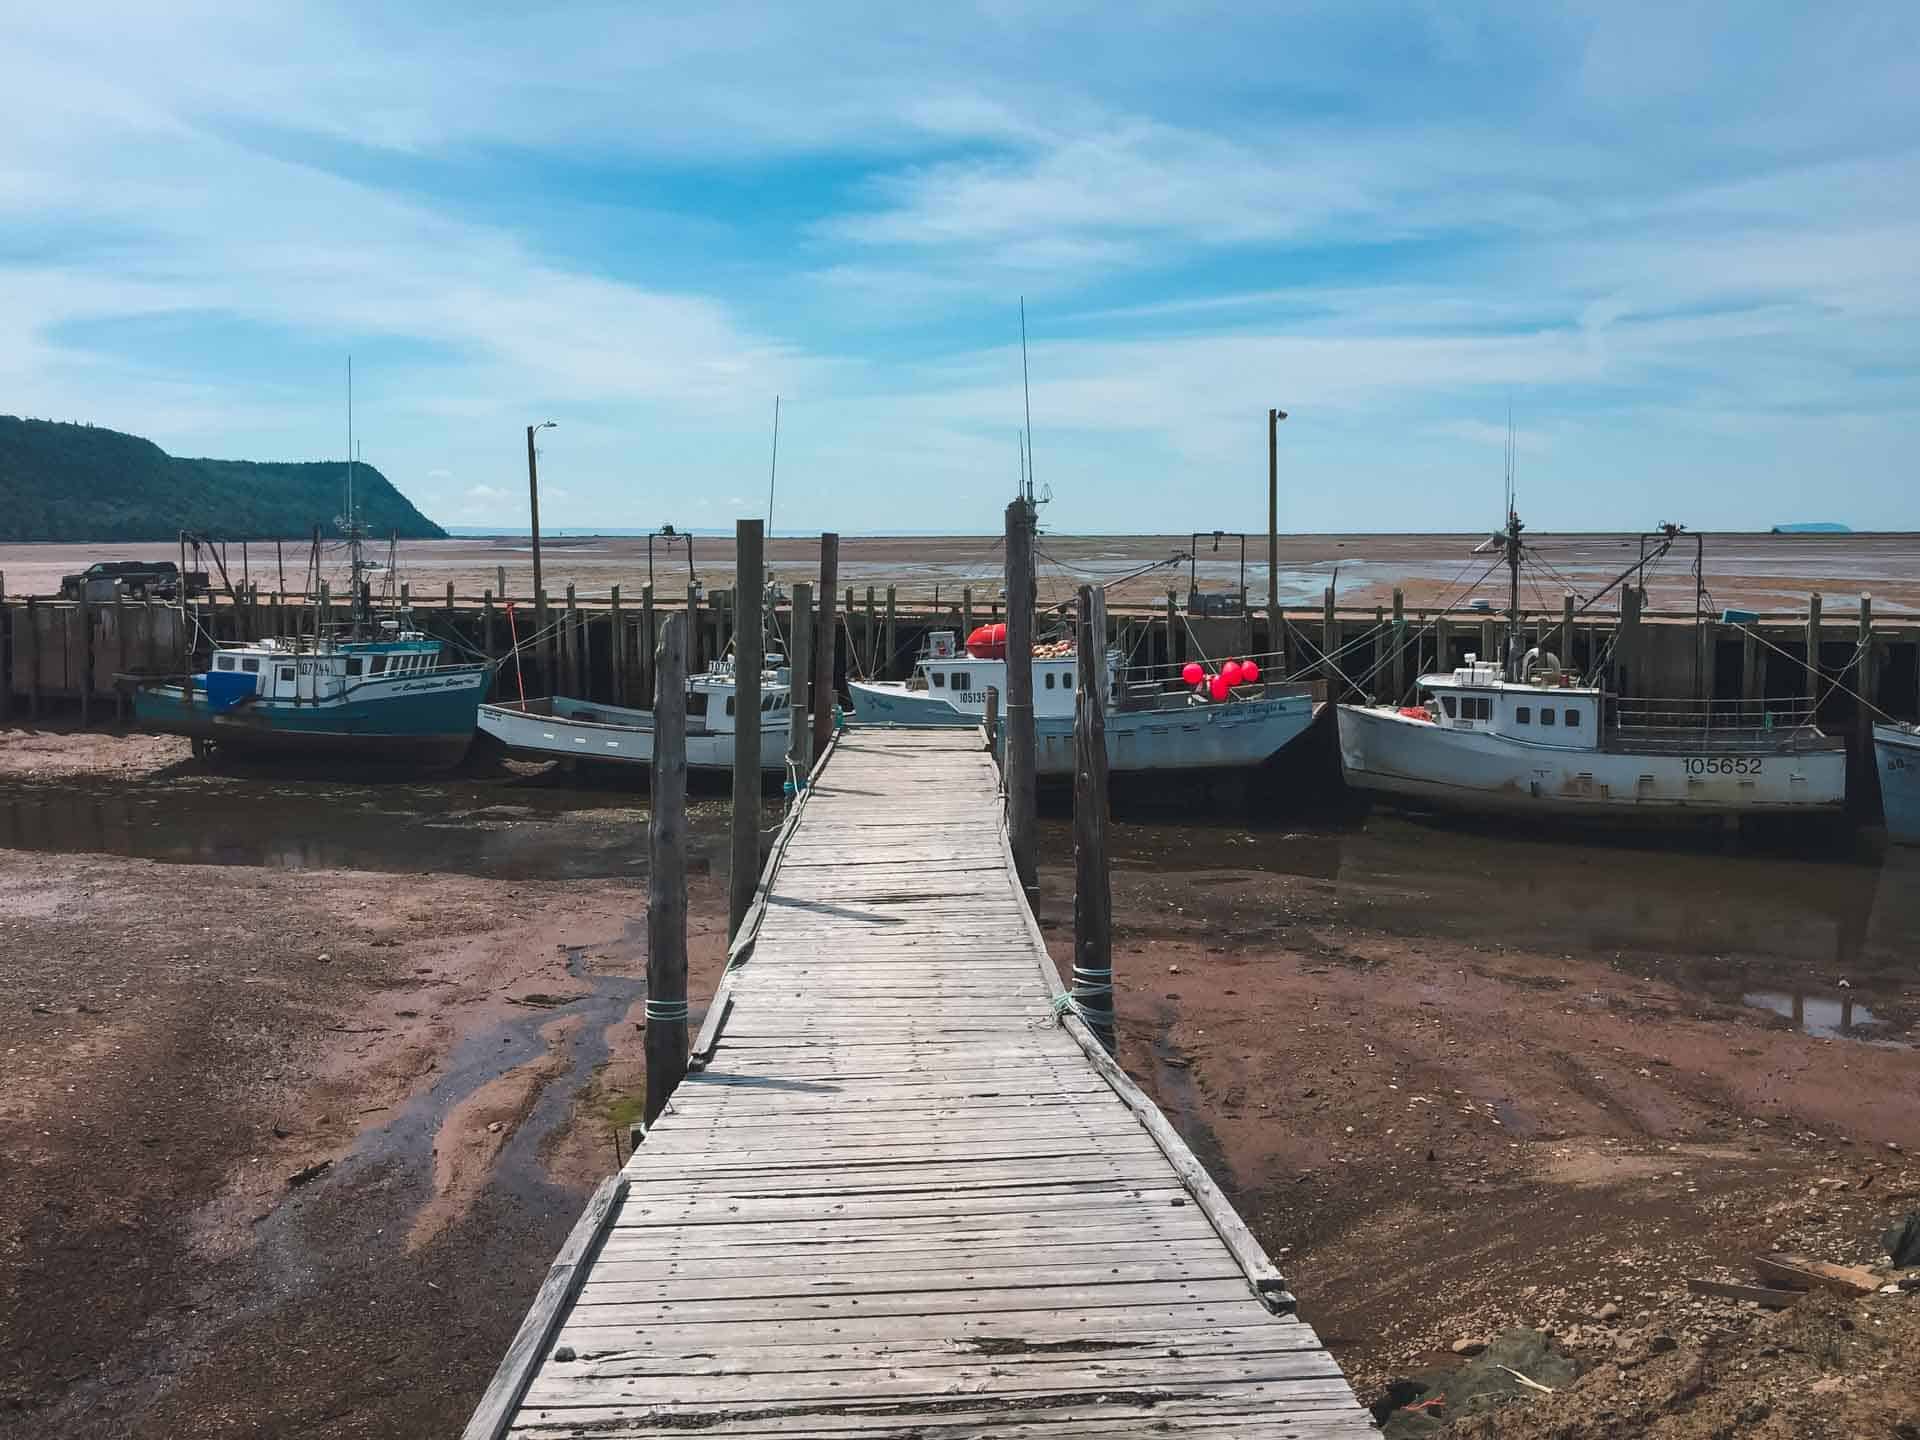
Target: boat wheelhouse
(617, 735)
(390, 697)
(1153, 723)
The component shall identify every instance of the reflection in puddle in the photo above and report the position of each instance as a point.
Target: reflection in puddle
(1813, 1015)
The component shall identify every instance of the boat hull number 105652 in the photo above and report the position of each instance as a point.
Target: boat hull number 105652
(1723, 765)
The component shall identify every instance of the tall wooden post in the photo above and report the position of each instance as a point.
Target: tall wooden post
(966, 613)
(1092, 884)
(1175, 649)
(500, 581)
(800, 685)
(1566, 629)
(533, 513)
(825, 640)
(617, 653)
(647, 639)
(1813, 653)
(7, 662)
(1863, 680)
(891, 653)
(1626, 644)
(449, 597)
(1442, 646)
(32, 617)
(872, 637)
(1750, 688)
(570, 646)
(486, 638)
(1329, 644)
(749, 645)
(666, 1039)
(84, 613)
(1399, 645)
(693, 629)
(545, 651)
(1022, 793)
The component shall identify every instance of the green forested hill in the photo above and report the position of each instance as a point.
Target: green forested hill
(80, 482)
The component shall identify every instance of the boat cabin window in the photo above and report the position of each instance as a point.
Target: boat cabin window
(1573, 719)
(729, 704)
(379, 665)
(766, 702)
(697, 704)
(939, 678)
(286, 674)
(1049, 680)
(225, 662)
(963, 679)
(355, 666)
(1546, 715)
(1523, 714)
(1448, 702)
(1066, 681)
(252, 667)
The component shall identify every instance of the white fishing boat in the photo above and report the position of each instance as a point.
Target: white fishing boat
(1152, 724)
(1896, 748)
(561, 727)
(1526, 736)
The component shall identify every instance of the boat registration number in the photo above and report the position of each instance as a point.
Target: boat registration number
(973, 697)
(1723, 765)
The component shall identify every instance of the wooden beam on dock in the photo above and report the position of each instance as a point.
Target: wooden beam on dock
(800, 683)
(1093, 995)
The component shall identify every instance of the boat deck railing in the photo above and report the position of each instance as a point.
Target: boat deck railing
(1751, 726)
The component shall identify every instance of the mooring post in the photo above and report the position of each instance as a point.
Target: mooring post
(749, 644)
(84, 612)
(1022, 795)
(449, 597)
(693, 627)
(992, 722)
(1329, 644)
(872, 637)
(1626, 643)
(1399, 645)
(6, 654)
(500, 581)
(1863, 680)
(800, 685)
(966, 614)
(1750, 686)
(646, 639)
(666, 1039)
(119, 648)
(1092, 885)
(1813, 656)
(545, 651)
(826, 640)
(1442, 646)
(33, 660)
(1174, 646)
(618, 654)
(570, 668)
(893, 649)
(326, 604)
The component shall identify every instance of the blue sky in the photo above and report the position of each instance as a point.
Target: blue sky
(1683, 242)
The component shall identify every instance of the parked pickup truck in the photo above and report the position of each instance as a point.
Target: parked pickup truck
(142, 579)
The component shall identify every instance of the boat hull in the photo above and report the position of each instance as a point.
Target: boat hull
(1385, 753)
(1897, 751)
(428, 719)
(609, 735)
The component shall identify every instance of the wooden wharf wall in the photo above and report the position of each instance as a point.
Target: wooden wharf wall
(898, 1197)
(600, 647)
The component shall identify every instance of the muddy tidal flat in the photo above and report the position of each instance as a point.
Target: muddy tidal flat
(1759, 571)
(306, 1075)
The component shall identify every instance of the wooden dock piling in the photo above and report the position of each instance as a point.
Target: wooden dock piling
(666, 1038)
(826, 640)
(749, 639)
(1092, 883)
(1813, 652)
(1399, 641)
(1022, 784)
(800, 671)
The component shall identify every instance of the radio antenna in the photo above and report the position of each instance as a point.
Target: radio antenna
(1026, 388)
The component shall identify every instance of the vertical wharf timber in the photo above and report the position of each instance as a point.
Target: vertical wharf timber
(901, 1193)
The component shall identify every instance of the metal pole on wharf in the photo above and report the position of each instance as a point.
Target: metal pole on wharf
(666, 1041)
(533, 511)
(826, 639)
(1092, 883)
(799, 668)
(1274, 417)
(749, 645)
(1022, 797)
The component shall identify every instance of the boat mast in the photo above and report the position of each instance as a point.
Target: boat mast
(1512, 541)
(356, 560)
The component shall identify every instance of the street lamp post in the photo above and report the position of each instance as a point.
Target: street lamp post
(1274, 417)
(533, 504)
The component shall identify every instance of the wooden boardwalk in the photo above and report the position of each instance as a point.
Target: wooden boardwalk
(901, 1199)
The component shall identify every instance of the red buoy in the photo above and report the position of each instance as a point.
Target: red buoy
(1192, 673)
(988, 642)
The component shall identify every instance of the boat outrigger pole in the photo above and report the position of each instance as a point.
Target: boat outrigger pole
(1511, 541)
